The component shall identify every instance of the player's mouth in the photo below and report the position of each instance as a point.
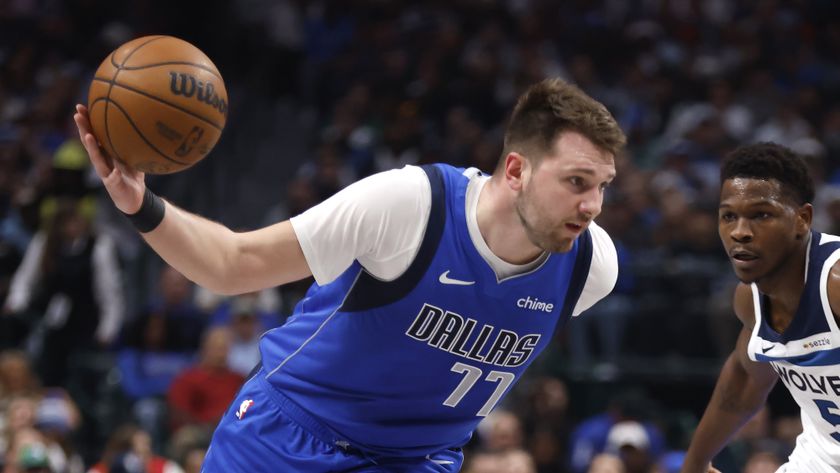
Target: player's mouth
(742, 258)
(575, 227)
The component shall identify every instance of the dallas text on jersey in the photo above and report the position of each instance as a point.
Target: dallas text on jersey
(453, 333)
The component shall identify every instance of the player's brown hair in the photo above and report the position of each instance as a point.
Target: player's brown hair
(551, 107)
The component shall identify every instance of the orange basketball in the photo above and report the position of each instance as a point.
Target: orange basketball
(158, 104)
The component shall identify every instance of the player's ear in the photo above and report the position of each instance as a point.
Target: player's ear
(804, 216)
(516, 170)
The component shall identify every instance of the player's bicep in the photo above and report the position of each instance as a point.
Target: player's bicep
(269, 257)
(760, 374)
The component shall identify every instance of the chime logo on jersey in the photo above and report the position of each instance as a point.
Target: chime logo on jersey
(461, 336)
(534, 304)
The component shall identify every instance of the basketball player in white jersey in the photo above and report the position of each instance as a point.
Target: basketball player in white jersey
(788, 302)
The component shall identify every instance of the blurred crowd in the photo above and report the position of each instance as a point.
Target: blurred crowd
(111, 361)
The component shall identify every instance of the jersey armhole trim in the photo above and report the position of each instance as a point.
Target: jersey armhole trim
(370, 292)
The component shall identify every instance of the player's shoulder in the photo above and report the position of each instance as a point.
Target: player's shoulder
(412, 175)
(742, 304)
(603, 248)
(833, 289)
(603, 269)
(389, 188)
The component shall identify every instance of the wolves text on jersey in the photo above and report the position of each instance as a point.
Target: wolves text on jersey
(807, 382)
(459, 335)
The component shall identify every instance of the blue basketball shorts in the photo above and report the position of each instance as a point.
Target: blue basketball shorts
(263, 432)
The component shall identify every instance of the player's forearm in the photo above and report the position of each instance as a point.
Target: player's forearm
(735, 399)
(198, 248)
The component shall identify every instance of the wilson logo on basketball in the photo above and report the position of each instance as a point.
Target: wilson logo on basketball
(188, 86)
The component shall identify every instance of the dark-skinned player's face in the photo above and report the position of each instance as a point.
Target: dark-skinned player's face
(761, 226)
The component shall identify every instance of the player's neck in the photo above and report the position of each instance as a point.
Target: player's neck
(784, 286)
(500, 226)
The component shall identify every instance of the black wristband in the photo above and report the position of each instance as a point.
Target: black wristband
(150, 214)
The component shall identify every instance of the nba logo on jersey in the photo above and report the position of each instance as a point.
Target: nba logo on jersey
(243, 408)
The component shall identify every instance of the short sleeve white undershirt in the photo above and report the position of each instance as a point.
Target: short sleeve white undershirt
(380, 221)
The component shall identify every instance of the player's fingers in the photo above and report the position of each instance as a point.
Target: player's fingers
(97, 158)
(124, 169)
(100, 164)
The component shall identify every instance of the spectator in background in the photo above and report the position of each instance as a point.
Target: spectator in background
(24, 404)
(242, 315)
(503, 431)
(151, 355)
(518, 461)
(591, 435)
(71, 278)
(484, 463)
(201, 393)
(13, 241)
(175, 304)
(128, 444)
(606, 463)
(34, 458)
(763, 462)
(547, 424)
(194, 459)
(630, 441)
(16, 377)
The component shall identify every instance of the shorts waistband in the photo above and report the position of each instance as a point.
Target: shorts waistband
(304, 418)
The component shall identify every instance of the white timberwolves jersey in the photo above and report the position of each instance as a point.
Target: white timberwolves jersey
(807, 359)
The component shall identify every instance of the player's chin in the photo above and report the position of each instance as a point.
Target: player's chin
(746, 277)
(563, 245)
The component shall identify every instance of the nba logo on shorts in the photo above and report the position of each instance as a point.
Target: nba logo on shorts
(243, 408)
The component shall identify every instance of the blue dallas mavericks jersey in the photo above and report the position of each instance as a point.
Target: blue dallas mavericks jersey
(807, 357)
(409, 367)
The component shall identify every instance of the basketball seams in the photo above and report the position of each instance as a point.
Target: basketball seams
(174, 63)
(135, 123)
(158, 99)
(108, 100)
(140, 133)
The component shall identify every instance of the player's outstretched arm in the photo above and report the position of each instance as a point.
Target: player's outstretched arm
(741, 390)
(206, 252)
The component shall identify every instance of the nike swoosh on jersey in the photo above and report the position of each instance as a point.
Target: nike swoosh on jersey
(445, 279)
(766, 349)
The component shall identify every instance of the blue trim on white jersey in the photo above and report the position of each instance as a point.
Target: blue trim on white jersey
(818, 358)
(802, 325)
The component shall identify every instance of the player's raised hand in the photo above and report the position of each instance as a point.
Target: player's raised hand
(125, 185)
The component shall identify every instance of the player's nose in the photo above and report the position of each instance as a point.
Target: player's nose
(591, 203)
(741, 230)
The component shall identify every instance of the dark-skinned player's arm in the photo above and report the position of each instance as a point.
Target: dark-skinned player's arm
(206, 252)
(741, 390)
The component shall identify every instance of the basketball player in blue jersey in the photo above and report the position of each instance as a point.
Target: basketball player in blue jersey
(788, 301)
(435, 288)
